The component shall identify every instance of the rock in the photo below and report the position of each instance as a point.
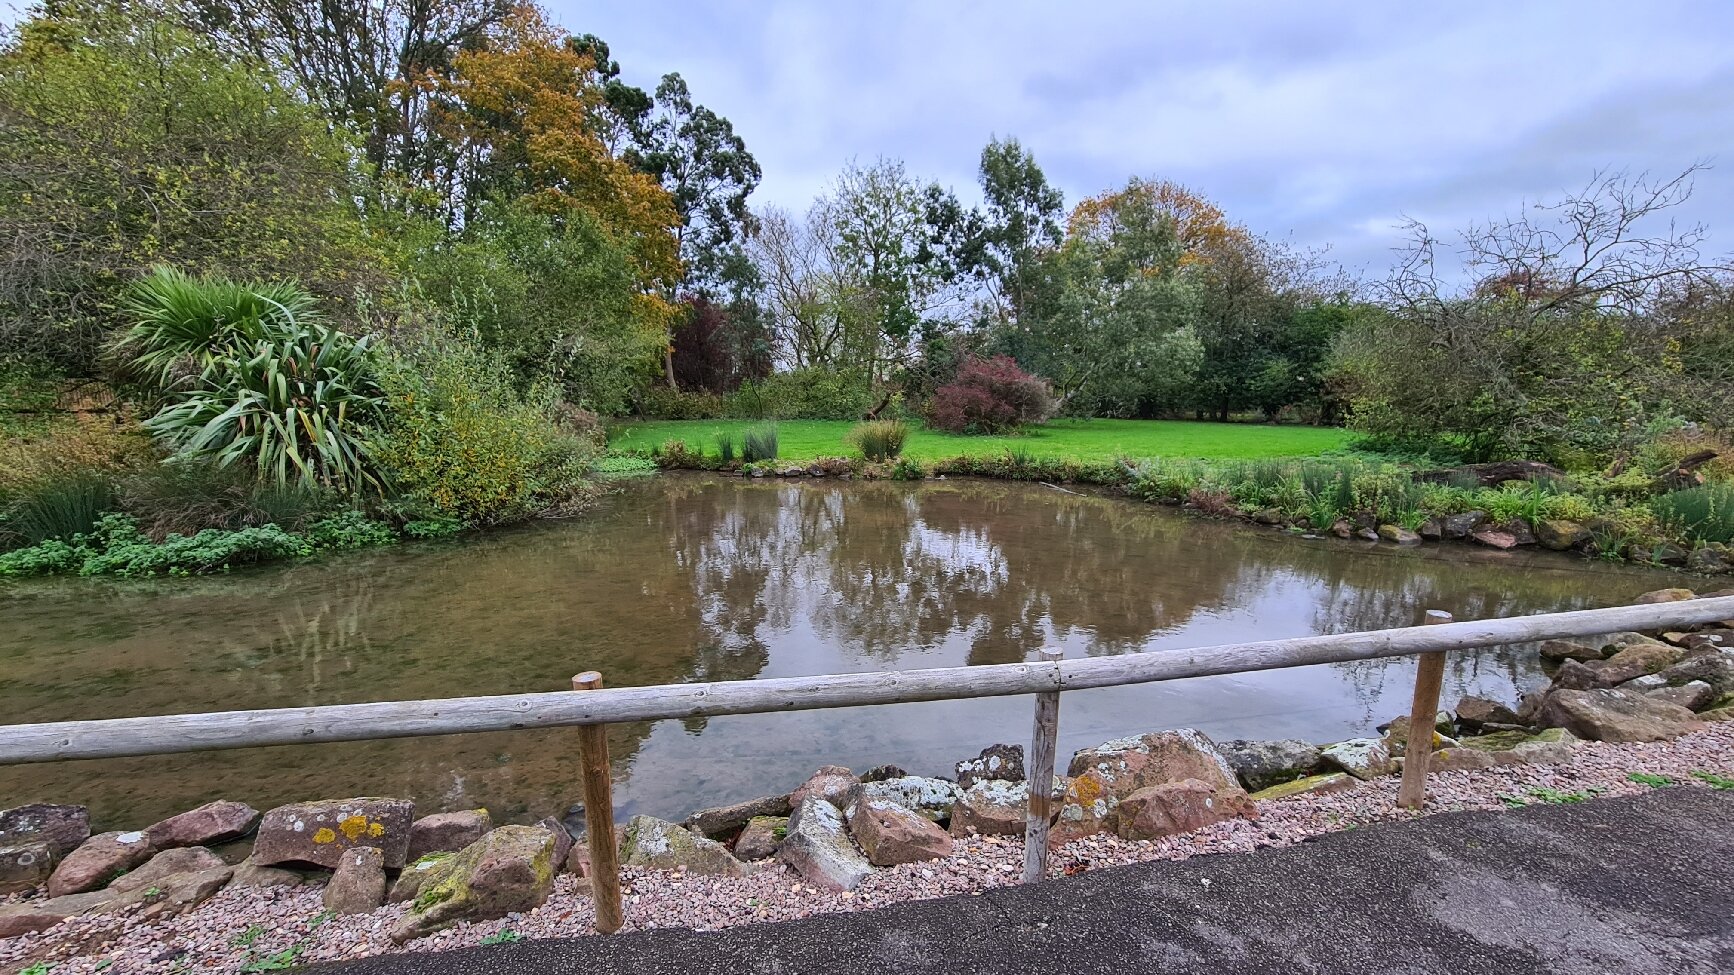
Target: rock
(562, 837)
(210, 824)
(1665, 596)
(1363, 758)
(318, 832)
(1574, 675)
(1465, 524)
(1397, 733)
(832, 783)
(1608, 714)
(1367, 534)
(358, 885)
(1179, 807)
(1474, 712)
(930, 798)
(880, 773)
(1342, 528)
(890, 833)
(170, 895)
(60, 828)
(1558, 650)
(1714, 640)
(1399, 534)
(1559, 534)
(1692, 695)
(1637, 660)
(1548, 747)
(1329, 782)
(24, 866)
(1713, 667)
(1004, 763)
(509, 870)
(652, 842)
(1262, 764)
(1433, 529)
(250, 874)
(1717, 714)
(1707, 560)
(1645, 683)
(25, 917)
(97, 861)
(761, 837)
(818, 849)
(1268, 516)
(577, 861)
(1107, 773)
(724, 821)
(1520, 532)
(992, 807)
(1502, 540)
(183, 859)
(447, 832)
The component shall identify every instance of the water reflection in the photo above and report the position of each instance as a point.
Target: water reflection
(692, 579)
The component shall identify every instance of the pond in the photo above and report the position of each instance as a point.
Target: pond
(693, 578)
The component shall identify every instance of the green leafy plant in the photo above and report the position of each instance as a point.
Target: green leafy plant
(1702, 514)
(616, 467)
(1650, 779)
(275, 962)
(504, 936)
(879, 440)
(246, 938)
(759, 444)
(59, 506)
(182, 324)
(1714, 781)
(907, 470)
(725, 448)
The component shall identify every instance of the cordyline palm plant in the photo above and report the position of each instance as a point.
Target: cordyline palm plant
(249, 376)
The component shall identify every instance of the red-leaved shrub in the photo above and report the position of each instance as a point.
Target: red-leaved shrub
(988, 396)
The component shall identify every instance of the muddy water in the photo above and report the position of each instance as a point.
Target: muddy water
(694, 578)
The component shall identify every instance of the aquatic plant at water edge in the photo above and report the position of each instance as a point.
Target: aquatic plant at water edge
(879, 440)
(759, 443)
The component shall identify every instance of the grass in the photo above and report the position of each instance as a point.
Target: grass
(1077, 440)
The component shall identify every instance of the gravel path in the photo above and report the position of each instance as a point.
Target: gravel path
(267, 930)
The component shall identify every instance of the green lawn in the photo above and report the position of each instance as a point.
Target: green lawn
(1079, 440)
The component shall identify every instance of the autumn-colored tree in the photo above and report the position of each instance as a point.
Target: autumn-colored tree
(1200, 228)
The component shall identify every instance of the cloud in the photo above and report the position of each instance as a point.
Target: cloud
(1322, 123)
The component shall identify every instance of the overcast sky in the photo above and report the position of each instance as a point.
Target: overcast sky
(1317, 122)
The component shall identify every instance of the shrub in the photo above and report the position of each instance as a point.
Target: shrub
(759, 443)
(658, 402)
(58, 507)
(805, 394)
(988, 396)
(1701, 514)
(348, 530)
(187, 496)
(907, 470)
(459, 443)
(879, 440)
(677, 455)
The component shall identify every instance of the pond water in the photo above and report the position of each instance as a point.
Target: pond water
(691, 578)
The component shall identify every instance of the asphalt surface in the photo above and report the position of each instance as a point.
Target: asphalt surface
(1639, 885)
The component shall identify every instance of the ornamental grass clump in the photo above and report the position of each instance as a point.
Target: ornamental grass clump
(759, 444)
(1701, 514)
(879, 440)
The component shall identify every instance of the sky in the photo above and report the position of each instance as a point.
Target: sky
(1323, 124)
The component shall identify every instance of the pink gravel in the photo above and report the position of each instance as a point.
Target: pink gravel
(272, 927)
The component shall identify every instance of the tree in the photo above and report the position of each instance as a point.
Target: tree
(127, 141)
(1021, 224)
(1551, 340)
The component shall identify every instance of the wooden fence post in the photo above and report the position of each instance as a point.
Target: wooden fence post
(1039, 776)
(1423, 712)
(599, 816)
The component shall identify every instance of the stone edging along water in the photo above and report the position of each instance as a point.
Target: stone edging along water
(1471, 527)
(837, 829)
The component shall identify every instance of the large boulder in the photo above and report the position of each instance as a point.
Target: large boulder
(930, 798)
(1399, 535)
(656, 843)
(60, 828)
(1104, 775)
(509, 870)
(447, 832)
(1328, 782)
(318, 832)
(1559, 650)
(27, 916)
(992, 807)
(1548, 747)
(1637, 660)
(1692, 695)
(1560, 534)
(1665, 596)
(724, 821)
(1179, 807)
(1463, 525)
(1475, 712)
(1611, 714)
(832, 783)
(97, 861)
(563, 842)
(1002, 763)
(249, 874)
(1363, 758)
(760, 838)
(1578, 675)
(818, 848)
(1494, 538)
(1397, 734)
(891, 833)
(1713, 666)
(181, 859)
(358, 885)
(1262, 764)
(24, 866)
(208, 825)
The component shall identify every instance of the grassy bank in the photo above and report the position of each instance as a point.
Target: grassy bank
(1082, 441)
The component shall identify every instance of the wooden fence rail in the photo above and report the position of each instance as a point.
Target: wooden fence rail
(166, 734)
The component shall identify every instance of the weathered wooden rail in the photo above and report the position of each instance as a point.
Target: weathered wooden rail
(590, 706)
